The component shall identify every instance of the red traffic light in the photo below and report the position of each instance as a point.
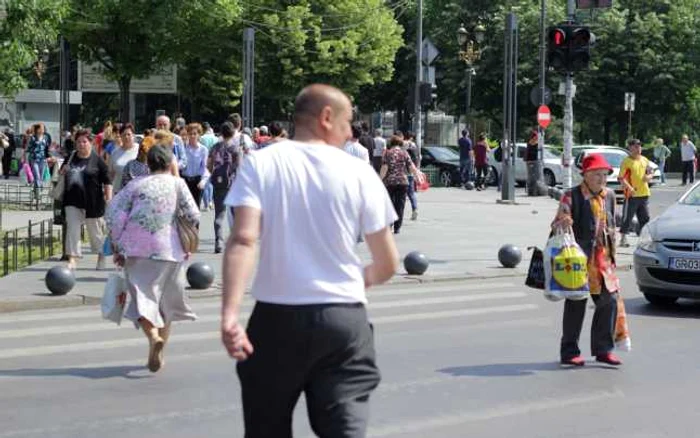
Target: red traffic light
(557, 37)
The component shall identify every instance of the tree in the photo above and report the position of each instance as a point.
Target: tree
(135, 38)
(347, 43)
(27, 28)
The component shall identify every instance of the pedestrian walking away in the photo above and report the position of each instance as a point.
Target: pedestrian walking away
(635, 175)
(306, 202)
(589, 209)
(466, 157)
(142, 223)
(394, 172)
(223, 164)
(661, 154)
(378, 151)
(688, 151)
(354, 147)
(481, 153)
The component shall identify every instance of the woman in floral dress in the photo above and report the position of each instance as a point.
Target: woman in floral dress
(141, 220)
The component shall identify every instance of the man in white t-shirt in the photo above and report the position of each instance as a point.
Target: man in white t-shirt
(688, 152)
(379, 148)
(306, 203)
(354, 147)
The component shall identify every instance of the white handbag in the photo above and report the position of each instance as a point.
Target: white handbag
(114, 298)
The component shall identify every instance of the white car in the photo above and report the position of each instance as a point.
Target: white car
(553, 169)
(614, 156)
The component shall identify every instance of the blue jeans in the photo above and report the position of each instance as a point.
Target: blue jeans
(662, 170)
(208, 195)
(412, 192)
(38, 168)
(466, 170)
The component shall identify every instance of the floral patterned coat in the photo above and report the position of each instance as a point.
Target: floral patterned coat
(141, 217)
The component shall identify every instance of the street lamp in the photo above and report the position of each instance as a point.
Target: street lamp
(469, 53)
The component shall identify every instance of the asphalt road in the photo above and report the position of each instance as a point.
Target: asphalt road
(476, 358)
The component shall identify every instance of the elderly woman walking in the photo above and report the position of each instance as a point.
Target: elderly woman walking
(396, 167)
(142, 220)
(589, 209)
(87, 190)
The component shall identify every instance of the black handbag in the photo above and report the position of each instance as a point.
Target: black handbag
(535, 273)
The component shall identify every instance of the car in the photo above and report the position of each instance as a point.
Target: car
(614, 156)
(446, 160)
(553, 169)
(667, 257)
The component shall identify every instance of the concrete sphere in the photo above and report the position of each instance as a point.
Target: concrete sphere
(200, 275)
(469, 185)
(59, 280)
(509, 256)
(415, 263)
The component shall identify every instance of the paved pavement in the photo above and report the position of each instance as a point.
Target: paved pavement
(474, 358)
(459, 231)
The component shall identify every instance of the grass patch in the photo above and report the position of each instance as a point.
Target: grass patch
(21, 255)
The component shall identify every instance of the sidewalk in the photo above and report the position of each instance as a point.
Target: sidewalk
(459, 231)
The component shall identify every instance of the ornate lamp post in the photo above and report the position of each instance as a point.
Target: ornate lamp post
(469, 53)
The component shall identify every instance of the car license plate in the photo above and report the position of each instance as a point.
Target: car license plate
(684, 264)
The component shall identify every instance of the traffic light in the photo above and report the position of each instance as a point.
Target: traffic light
(428, 93)
(569, 47)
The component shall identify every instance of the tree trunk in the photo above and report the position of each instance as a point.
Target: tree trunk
(125, 102)
(607, 126)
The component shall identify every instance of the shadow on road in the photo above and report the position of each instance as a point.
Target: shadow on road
(681, 309)
(87, 373)
(505, 369)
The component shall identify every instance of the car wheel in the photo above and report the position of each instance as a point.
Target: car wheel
(660, 300)
(549, 178)
(492, 179)
(446, 178)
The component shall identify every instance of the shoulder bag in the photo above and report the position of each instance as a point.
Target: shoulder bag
(60, 187)
(188, 233)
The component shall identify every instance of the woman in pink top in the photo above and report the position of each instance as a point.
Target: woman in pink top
(141, 220)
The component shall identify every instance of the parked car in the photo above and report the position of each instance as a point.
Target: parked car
(614, 155)
(553, 169)
(667, 257)
(447, 162)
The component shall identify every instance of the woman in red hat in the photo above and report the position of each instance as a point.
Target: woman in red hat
(589, 209)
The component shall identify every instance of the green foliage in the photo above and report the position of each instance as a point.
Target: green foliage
(28, 27)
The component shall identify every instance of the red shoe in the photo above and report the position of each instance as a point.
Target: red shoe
(576, 361)
(609, 359)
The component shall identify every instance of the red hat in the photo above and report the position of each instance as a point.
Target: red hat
(595, 162)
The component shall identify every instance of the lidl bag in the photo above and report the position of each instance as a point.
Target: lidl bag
(565, 268)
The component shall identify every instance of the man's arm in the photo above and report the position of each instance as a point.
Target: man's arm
(385, 258)
(238, 265)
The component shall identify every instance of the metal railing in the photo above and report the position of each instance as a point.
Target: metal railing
(25, 246)
(23, 197)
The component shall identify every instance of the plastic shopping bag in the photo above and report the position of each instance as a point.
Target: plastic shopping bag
(46, 177)
(422, 183)
(25, 174)
(535, 273)
(622, 331)
(114, 298)
(565, 268)
(107, 246)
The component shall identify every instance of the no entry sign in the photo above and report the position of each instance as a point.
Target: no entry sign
(544, 116)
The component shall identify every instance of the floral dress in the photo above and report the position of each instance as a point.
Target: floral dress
(141, 217)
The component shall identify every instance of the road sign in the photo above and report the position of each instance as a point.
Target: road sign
(593, 4)
(535, 96)
(629, 101)
(544, 116)
(430, 52)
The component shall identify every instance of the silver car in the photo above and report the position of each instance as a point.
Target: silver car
(667, 257)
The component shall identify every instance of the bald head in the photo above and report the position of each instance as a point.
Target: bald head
(322, 113)
(313, 99)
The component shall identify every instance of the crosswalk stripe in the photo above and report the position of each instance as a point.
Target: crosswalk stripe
(104, 325)
(13, 353)
(373, 294)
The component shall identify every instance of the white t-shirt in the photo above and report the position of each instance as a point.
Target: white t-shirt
(314, 203)
(354, 148)
(687, 151)
(117, 162)
(379, 146)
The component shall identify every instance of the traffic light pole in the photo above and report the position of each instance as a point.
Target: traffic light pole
(417, 119)
(568, 110)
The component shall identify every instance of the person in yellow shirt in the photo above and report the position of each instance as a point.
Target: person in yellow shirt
(635, 175)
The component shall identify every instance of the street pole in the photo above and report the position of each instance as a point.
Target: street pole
(469, 98)
(510, 92)
(418, 127)
(568, 110)
(543, 87)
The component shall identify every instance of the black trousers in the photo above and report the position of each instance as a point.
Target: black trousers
(397, 194)
(6, 161)
(688, 171)
(325, 351)
(377, 163)
(481, 172)
(635, 206)
(192, 182)
(602, 327)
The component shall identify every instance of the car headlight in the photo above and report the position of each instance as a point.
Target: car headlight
(646, 242)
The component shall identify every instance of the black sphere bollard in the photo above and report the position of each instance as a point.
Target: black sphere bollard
(469, 185)
(59, 280)
(200, 275)
(509, 256)
(415, 263)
